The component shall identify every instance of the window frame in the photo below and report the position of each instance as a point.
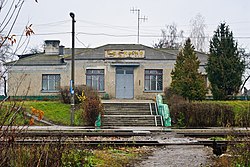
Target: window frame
(148, 77)
(56, 83)
(96, 75)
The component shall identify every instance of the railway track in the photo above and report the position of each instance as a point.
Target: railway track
(219, 147)
(213, 134)
(111, 138)
(201, 133)
(118, 143)
(81, 134)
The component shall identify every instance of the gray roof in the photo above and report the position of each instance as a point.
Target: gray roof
(99, 54)
(201, 56)
(38, 60)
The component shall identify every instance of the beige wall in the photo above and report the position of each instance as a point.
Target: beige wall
(28, 80)
(139, 92)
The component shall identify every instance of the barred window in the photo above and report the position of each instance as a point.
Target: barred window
(95, 79)
(153, 80)
(50, 82)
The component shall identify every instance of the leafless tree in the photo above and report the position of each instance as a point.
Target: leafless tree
(246, 57)
(197, 35)
(10, 11)
(171, 38)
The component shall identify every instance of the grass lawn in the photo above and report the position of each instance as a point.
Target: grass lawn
(241, 110)
(55, 111)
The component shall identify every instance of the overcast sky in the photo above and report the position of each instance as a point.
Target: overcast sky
(100, 22)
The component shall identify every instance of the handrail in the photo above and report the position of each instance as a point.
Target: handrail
(155, 121)
(98, 121)
(156, 109)
(163, 110)
(150, 108)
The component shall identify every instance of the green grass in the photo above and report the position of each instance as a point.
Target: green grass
(11, 114)
(68, 155)
(54, 111)
(238, 106)
(241, 109)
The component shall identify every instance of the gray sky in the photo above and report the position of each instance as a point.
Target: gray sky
(101, 22)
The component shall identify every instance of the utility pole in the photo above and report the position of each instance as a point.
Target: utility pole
(138, 20)
(72, 84)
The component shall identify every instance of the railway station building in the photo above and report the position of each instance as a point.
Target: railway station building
(123, 71)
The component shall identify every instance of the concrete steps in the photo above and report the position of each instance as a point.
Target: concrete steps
(130, 114)
(135, 120)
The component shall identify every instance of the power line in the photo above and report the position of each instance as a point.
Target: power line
(80, 41)
(52, 23)
(122, 35)
(44, 34)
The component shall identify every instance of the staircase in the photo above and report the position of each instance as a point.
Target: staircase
(130, 113)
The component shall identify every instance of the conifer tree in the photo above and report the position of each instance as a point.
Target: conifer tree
(187, 81)
(225, 67)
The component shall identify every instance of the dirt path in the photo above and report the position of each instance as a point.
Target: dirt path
(178, 156)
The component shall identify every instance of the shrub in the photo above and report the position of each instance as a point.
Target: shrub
(90, 103)
(242, 152)
(202, 114)
(88, 99)
(198, 114)
(66, 96)
(92, 108)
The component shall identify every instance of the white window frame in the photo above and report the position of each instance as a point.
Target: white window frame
(93, 76)
(157, 75)
(51, 82)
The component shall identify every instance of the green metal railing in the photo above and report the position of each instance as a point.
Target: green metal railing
(163, 110)
(98, 121)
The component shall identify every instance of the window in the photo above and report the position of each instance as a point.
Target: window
(153, 80)
(95, 79)
(50, 82)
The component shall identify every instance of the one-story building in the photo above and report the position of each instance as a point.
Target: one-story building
(123, 71)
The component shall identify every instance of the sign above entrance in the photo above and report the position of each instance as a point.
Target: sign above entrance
(124, 53)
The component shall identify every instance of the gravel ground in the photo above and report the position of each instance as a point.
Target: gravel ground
(169, 156)
(178, 156)
(166, 156)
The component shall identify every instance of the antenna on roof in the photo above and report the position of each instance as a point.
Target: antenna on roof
(138, 20)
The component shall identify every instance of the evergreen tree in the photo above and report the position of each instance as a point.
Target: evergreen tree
(225, 67)
(186, 80)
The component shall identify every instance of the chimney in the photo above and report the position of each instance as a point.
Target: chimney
(61, 50)
(51, 47)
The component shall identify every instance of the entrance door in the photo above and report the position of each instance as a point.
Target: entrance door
(124, 83)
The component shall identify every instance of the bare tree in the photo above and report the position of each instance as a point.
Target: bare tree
(197, 35)
(246, 58)
(10, 11)
(171, 38)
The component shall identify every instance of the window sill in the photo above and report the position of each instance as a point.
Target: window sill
(101, 91)
(153, 91)
(50, 91)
